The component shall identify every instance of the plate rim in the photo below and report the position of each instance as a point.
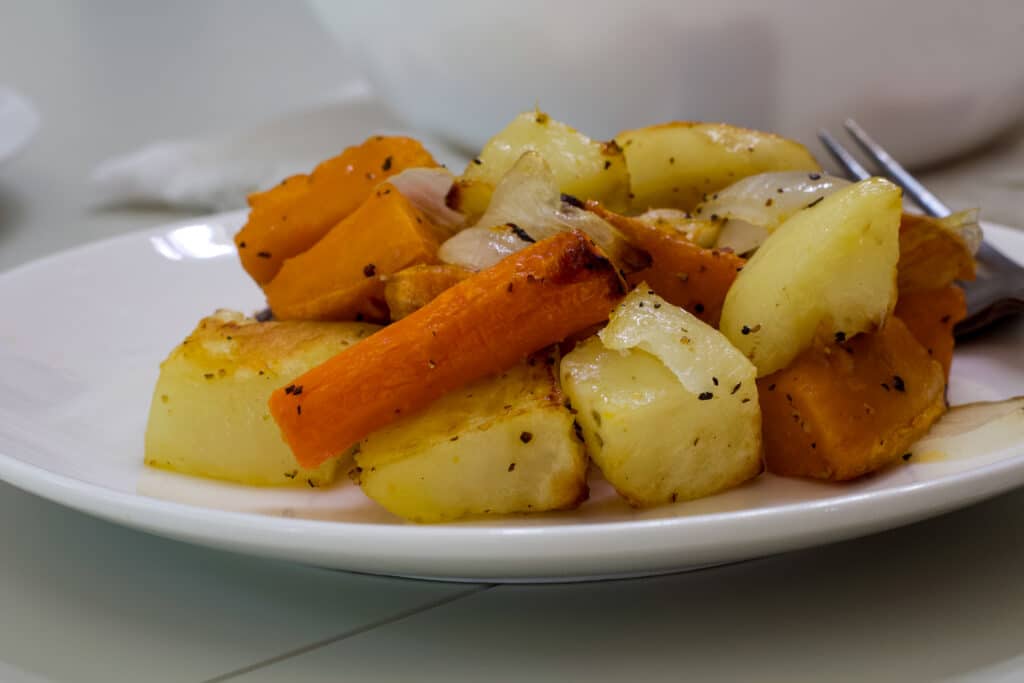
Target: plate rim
(867, 511)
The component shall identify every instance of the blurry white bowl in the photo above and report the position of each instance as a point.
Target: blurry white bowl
(930, 80)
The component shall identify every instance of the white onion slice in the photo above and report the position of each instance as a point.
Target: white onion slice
(740, 236)
(974, 430)
(764, 201)
(527, 207)
(426, 189)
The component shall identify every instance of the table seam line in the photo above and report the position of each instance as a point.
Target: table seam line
(350, 633)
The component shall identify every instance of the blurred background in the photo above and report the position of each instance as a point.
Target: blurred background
(247, 90)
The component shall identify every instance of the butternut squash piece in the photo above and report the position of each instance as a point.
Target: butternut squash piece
(481, 326)
(413, 288)
(681, 272)
(930, 316)
(290, 218)
(931, 254)
(341, 277)
(849, 408)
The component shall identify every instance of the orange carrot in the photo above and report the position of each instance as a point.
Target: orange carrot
(292, 217)
(681, 272)
(930, 315)
(340, 277)
(481, 326)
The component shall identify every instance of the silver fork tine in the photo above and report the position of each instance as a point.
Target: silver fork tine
(932, 205)
(843, 156)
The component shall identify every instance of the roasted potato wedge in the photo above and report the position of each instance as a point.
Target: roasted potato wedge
(209, 414)
(668, 407)
(829, 271)
(583, 167)
(676, 164)
(504, 444)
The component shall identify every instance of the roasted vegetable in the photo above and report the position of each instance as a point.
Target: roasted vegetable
(685, 274)
(931, 315)
(582, 167)
(209, 412)
(526, 207)
(827, 272)
(340, 277)
(413, 288)
(501, 444)
(481, 326)
(678, 164)
(752, 208)
(849, 408)
(289, 219)
(934, 252)
(668, 407)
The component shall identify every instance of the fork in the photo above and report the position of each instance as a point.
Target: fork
(998, 289)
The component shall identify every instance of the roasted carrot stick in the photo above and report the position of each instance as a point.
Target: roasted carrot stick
(481, 326)
(681, 272)
(290, 218)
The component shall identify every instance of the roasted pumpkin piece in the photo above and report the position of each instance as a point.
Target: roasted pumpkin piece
(933, 253)
(930, 315)
(849, 408)
(340, 278)
(683, 273)
(413, 288)
(290, 218)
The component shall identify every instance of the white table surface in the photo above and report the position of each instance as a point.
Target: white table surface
(83, 600)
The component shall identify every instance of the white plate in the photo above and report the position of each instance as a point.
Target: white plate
(85, 330)
(18, 123)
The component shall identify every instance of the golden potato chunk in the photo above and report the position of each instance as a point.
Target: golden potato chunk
(829, 271)
(677, 164)
(668, 407)
(209, 414)
(501, 445)
(584, 168)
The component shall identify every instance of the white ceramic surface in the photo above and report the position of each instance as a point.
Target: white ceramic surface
(85, 330)
(18, 123)
(928, 79)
